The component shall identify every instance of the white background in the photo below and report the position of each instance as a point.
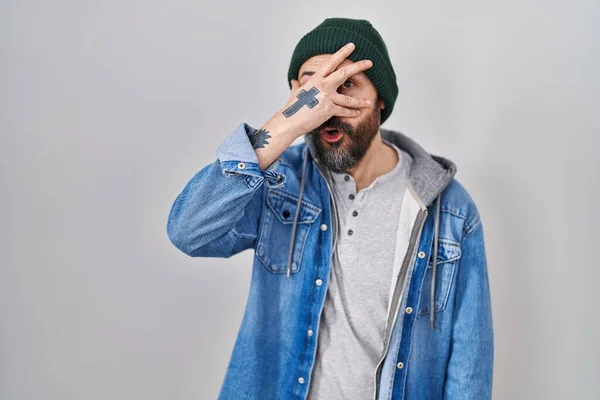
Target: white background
(108, 108)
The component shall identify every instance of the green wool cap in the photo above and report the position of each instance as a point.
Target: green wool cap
(331, 35)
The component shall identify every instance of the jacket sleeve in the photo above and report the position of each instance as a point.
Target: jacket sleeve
(217, 212)
(470, 367)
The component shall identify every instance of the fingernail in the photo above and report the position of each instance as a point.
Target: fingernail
(369, 101)
(350, 45)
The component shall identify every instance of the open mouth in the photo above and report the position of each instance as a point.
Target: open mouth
(331, 135)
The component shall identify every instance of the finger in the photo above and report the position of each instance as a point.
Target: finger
(350, 102)
(295, 85)
(346, 112)
(336, 59)
(345, 72)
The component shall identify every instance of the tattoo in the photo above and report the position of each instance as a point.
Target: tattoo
(259, 138)
(304, 98)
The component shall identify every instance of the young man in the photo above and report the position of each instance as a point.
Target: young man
(369, 278)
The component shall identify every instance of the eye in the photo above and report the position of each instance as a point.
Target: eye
(348, 84)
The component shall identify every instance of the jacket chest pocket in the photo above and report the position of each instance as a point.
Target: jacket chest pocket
(276, 233)
(448, 256)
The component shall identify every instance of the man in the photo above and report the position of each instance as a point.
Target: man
(369, 278)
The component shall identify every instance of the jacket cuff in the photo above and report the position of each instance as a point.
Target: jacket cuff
(238, 157)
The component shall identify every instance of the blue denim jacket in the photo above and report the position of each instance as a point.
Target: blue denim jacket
(439, 337)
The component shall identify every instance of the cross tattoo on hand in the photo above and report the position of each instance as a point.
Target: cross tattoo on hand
(304, 98)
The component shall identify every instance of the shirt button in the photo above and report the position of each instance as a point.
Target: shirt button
(323, 227)
(350, 232)
(241, 165)
(421, 254)
(310, 332)
(318, 282)
(409, 310)
(346, 178)
(301, 380)
(351, 197)
(400, 365)
(354, 213)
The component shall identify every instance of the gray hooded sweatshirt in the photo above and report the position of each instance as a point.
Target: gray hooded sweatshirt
(429, 175)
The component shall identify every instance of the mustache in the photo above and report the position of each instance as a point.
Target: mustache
(335, 123)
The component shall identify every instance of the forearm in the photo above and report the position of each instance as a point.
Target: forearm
(275, 136)
(222, 195)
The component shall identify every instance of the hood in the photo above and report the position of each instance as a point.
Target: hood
(429, 176)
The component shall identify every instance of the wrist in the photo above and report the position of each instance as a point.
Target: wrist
(280, 125)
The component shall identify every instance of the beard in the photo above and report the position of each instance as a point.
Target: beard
(351, 148)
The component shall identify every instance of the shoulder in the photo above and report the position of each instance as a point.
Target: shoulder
(457, 200)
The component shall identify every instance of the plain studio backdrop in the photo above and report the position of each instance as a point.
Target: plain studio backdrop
(107, 109)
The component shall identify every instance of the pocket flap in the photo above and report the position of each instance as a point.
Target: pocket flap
(448, 250)
(284, 207)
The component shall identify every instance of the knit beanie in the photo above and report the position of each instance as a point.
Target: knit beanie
(334, 33)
